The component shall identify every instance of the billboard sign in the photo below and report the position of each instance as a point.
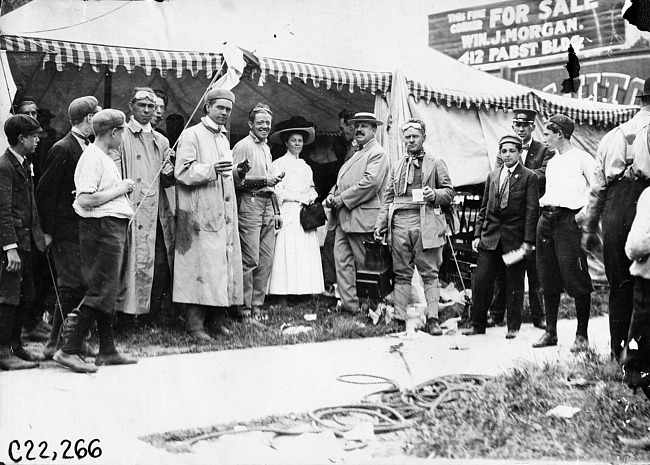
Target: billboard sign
(517, 30)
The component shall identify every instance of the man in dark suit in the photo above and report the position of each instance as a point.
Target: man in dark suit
(54, 197)
(506, 223)
(534, 156)
(20, 236)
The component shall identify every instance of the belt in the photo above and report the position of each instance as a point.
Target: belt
(264, 194)
(555, 209)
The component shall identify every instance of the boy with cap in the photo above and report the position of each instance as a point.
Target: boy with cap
(534, 156)
(506, 223)
(208, 260)
(561, 263)
(104, 208)
(20, 235)
(60, 223)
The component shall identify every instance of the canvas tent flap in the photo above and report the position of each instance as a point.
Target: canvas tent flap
(78, 54)
(328, 75)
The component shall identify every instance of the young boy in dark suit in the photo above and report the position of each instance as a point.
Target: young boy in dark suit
(20, 236)
(506, 222)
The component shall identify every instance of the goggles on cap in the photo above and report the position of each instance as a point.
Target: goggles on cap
(257, 110)
(143, 94)
(412, 125)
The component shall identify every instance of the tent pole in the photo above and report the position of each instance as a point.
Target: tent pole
(108, 87)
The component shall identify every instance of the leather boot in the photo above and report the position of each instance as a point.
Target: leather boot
(216, 321)
(8, 361)
(69, 300)
(432, 296)
(194, 320)
(108, 354)
(74, 329)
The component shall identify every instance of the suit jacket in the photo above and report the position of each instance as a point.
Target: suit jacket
(515, 224)
(54, 194)
(433, 225)
(19, 222)
(361, 183)
(536, 160)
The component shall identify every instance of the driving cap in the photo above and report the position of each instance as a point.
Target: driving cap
(83, 106)
(365, 117)
(21, 124)
(523, 115)
(215, 94)
(105, 120)
(512, 139)
(563, 122)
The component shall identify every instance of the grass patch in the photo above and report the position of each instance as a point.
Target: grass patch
(507, 419)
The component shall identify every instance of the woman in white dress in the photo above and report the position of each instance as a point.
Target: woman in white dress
(297, 268)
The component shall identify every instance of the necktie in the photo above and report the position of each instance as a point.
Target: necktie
(409, 171)
(86, 141)
(504, 192)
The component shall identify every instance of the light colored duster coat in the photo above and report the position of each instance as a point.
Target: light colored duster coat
(361, 183)
(134, 164)
(433, 225)
(208, 261)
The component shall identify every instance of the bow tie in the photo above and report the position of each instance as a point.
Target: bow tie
(525, 146)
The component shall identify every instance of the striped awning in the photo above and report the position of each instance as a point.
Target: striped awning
(97, 56)
(460, 98)
(583, 111)
(329, 75)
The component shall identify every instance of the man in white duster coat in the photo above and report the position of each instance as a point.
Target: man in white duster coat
(208, 262)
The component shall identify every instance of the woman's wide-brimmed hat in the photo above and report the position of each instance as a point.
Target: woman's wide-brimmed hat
(294, 124)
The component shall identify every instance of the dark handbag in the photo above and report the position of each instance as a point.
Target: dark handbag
(312, 216)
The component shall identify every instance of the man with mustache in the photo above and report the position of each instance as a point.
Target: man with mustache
(355, 200)
(259, 211)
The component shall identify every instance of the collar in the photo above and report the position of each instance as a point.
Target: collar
(80, 137)
(255, 138)
(511, 169)
(417, 156)
(211, 125)
(18, 156)
(137, 127)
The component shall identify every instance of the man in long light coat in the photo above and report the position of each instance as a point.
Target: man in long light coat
(144, 156)
(355, 201)
(208, 260)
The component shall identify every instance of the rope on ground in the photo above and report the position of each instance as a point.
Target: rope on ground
(379, 379)
(389, 419)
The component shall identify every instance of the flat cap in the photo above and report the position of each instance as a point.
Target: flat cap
(219, 93)
(82, 106)
(105, 120)
(565, 123)
(512, 139)
(21, 124)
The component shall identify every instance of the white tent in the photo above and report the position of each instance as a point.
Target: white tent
(61, 49)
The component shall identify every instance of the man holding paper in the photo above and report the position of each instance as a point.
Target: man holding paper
(418, 186)
(505, 233)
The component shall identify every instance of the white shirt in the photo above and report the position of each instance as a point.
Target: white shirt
(637, 246)
(569, 177)
(504, 171)
(80, 139)
(95, 172)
